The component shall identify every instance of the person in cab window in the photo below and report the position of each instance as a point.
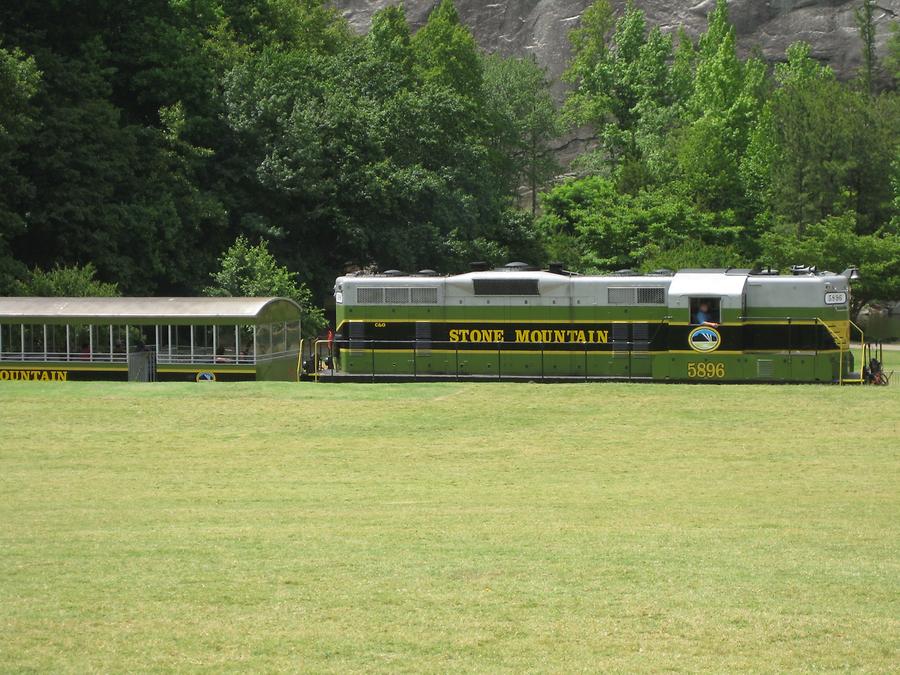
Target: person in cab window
(703, 315)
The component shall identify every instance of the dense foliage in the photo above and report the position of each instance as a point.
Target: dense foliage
(706, 159)
(252, 271)
(65, 282)
(140, 140)
(144, 137)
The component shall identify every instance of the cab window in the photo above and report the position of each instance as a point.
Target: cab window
(705, 310)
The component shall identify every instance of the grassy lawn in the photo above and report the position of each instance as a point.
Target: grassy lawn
(442, 527)
(892, 359)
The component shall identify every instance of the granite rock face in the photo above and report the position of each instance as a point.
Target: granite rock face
(541, 26)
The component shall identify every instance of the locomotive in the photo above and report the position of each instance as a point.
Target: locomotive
(516, 322)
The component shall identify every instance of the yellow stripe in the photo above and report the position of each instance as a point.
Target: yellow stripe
(511, 321)
(491, 352)
(738, 324)
(66, 366)
(793, 352)
(169, 369)
(776, 322)
(690, 352)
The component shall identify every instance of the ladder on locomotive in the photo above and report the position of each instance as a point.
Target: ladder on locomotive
(871, 355)
(840, 332)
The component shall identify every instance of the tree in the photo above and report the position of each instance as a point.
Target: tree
(695, 255)
(19, 82)
(619, 86)
(727, 96)
(589, 50)
(592, 227)
(383, 153)
(524, 119)
(70, 282)
(390, 45)
(865, 22)
(446, 54)
(818, 140)
(252, 271)
(115, 186)
(834, 244)
(892, 60)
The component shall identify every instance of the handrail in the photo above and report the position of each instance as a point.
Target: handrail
(863, 348)
(163, 358)
(622, 348)
(862, 337)
(838, 340)
(300, 360)
(848, 347)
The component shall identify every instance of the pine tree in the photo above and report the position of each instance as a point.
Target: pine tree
(866, 24)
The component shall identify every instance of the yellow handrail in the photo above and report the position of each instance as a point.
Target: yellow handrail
(862, 346)
(862, 337)
(837, 338)
(316, 360)
(316, 357)
(300, 361)
(842, 347)
(839, 342)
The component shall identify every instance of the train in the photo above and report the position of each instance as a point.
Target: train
(521, 323)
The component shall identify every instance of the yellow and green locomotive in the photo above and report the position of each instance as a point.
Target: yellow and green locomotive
(724, 325)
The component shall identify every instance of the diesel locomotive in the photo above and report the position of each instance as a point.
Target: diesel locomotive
(707, 325)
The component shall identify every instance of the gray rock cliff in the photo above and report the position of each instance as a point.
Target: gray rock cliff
(541, 27)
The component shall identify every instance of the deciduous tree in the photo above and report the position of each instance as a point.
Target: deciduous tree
(72, 282)
(252, 271)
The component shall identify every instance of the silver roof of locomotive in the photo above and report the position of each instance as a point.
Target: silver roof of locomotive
(760, 289)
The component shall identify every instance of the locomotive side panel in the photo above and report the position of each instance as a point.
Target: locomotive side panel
(700, 325)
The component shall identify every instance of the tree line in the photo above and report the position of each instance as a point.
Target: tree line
(707, 159)
(186, 147)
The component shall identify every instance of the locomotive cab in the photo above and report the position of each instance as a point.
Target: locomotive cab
(720, 291)
(705, 331)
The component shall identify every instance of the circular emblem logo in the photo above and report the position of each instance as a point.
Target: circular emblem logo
(206, 376)
(704, 339)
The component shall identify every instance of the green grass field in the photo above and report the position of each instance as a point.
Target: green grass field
(445, 527)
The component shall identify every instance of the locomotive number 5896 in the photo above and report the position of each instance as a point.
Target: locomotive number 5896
(705, 370)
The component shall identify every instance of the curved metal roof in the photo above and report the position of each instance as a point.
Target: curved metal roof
(145, 310)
